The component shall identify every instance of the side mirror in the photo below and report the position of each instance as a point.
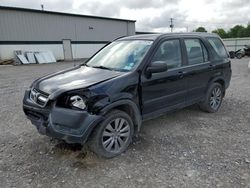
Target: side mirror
(157, 66)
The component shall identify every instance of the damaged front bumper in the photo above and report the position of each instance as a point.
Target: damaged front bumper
(72, 126)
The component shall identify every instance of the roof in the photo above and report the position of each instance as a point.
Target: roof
(145, 32)
(141, 37)
(155, 36)
(61, 13)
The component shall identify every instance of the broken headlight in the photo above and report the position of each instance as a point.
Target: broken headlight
(77, 101)
(73, 101)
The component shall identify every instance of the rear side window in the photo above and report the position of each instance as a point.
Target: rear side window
(218, 47)
(196, 51)
(170, 52)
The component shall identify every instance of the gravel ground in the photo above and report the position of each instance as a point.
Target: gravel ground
(187, 148)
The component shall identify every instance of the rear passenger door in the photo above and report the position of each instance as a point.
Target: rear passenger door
(199, 69)
(220, 60)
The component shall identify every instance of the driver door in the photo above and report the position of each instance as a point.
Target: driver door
(167, 90)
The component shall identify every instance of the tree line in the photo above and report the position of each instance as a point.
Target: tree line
(238, 31)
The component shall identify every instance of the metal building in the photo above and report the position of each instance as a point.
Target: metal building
(68, 36)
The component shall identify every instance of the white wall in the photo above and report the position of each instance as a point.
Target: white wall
(85, 50)
(233, 44)
(78, 50)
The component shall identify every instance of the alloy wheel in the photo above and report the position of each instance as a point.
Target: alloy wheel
(116, 135)
(215, 99)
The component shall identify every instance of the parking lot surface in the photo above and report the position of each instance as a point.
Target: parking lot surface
(187, 148)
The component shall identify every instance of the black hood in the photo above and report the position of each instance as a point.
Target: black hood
(75, 78)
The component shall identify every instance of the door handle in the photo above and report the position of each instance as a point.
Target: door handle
(211, 67)
(180, 74)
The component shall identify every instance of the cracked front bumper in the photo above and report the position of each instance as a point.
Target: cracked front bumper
(72, 126)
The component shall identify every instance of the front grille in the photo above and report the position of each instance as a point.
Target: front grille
(38, 97)
(32, 95)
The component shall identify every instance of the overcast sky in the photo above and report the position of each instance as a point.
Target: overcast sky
(153, 15)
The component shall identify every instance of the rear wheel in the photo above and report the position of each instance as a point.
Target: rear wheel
(113, 135)
(213, 99)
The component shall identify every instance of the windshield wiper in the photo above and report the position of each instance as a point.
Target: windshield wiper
(101, 67)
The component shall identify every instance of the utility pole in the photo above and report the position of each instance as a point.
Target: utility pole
(171, 24)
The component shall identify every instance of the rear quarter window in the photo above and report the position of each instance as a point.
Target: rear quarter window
(218, 46)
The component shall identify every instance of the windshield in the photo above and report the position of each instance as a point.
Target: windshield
(120, 55)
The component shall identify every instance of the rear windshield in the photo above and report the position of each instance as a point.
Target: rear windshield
(218, 47)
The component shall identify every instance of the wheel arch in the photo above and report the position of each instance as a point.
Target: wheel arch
(129, 107)
(219, 80)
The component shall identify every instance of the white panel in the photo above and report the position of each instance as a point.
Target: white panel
(52, 57)
(31, 57)
(40, 58)
(48, 57)
(23, 59)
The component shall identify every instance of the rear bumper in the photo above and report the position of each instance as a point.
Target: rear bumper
(72, 126)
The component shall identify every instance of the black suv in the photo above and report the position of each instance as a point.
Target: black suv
(132, 79)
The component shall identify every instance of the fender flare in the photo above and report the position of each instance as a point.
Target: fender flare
(136, 112)
(216, 79)
(137, 119)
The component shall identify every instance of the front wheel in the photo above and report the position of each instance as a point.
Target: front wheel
(113, 135)
(213, 99)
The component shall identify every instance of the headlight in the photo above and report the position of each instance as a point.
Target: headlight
(42, 98)
(78, 102)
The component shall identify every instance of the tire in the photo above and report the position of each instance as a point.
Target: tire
(239, 55)
(113, 136)
(213, 98)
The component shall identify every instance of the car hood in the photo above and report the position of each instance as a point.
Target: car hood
(75, 78)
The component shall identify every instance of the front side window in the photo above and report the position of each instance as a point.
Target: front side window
(121, 55)
(170, 52)
(218, 46)
(196, 51)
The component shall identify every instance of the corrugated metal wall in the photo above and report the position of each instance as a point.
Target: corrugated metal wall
(233, 44)
(18, 25)
(34, 30)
